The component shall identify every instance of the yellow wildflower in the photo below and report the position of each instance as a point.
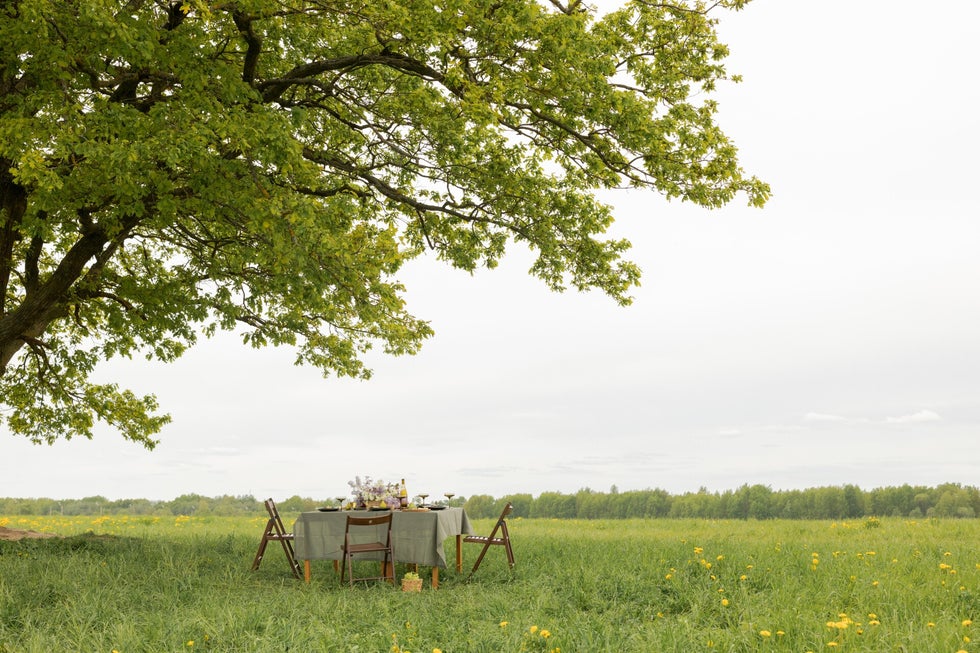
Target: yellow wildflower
(724, 602)
(533, 629)
(967, 622)
(765, 633)
(503, 624)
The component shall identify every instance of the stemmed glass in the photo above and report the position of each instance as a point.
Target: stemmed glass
(449, 496)
(423, 496)
(340, 502)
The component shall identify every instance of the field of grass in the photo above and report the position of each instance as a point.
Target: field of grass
(131, 584)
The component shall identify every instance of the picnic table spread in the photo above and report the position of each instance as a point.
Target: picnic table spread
(416, 536)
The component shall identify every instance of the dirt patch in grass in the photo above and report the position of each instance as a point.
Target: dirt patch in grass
(12, 535)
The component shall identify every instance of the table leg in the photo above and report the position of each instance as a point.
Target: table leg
(336, 566)
(459, 554)
(306, 570)
(435, 578)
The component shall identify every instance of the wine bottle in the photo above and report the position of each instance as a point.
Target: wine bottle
(403, 495)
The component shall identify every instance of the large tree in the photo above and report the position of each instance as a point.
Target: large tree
(168, 169)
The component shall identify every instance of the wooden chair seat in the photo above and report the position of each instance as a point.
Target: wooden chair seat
(276, 532)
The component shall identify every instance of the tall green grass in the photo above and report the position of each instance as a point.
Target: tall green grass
(183, 584)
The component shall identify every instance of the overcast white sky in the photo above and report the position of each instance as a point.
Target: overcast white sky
(829, 338)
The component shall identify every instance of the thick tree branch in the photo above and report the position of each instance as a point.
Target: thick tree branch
(254, 43)
(272, 89)
(39, 307)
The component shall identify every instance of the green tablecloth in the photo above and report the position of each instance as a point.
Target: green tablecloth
(416, 537)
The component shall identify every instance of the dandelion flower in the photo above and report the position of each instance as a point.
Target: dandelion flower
(724, 602)
(533, 629)
(967, 622)
(765, 633)
(503, 624)
(545, 633)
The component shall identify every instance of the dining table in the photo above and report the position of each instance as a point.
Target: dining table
(417, 537)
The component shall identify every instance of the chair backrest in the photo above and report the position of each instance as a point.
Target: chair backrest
(502, 521)
(270, 507)
(369, 521)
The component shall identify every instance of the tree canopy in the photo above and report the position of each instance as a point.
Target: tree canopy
(173, 168)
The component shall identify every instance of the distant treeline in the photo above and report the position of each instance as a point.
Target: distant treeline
(747, 502)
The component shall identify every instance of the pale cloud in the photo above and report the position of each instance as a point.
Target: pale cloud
(823, 417)
(921, 416)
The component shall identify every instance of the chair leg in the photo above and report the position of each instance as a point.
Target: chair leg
(265, 540)
(510, 551)
(261, 552)
(287, 547)
(476, 566)
(349, 564)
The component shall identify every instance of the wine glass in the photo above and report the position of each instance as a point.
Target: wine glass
(340, 502)
(449, 496)
(423, 496)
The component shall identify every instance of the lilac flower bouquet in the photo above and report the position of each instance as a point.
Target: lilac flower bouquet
(368, 489)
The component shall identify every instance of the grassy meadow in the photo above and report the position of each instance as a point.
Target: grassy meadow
(131, 584)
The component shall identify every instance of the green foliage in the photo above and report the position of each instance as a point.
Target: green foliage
(168, 169)
(184, 584)
(949, 500)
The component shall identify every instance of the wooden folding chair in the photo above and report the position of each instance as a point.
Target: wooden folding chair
(276, 532)
(350, 549)
(493, 539)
